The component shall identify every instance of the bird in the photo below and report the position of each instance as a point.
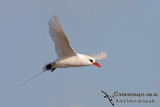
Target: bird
(108, 96)
(67, 57)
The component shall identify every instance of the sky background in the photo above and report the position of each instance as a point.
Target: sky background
(128, 30)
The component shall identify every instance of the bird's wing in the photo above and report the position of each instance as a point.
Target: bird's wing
(62, 45)
(100, 56)
(103, 92)
(111, 101)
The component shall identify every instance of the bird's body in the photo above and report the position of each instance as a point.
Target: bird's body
(74, 61)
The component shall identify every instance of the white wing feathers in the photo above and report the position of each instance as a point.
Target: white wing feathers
(62, 45)
(100, 56)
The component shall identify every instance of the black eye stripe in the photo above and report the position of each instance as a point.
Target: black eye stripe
(91, 60)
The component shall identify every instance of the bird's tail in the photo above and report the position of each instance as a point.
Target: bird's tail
(44, 68)
(31, 78)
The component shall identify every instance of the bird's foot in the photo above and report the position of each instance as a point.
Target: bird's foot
(53, 69)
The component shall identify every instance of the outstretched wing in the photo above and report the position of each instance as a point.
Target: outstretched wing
(100, 56)
(103, 92)
(62, 45)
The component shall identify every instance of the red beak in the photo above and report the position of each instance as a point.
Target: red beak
(96, 64)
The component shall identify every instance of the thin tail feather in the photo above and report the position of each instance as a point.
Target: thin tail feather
(31, 78)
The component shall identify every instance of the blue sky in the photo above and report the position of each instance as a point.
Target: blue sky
(128, 30)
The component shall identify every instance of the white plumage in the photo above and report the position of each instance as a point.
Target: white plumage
(100, 56)
(62, 45)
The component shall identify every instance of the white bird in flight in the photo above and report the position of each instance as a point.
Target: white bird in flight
(67, 57)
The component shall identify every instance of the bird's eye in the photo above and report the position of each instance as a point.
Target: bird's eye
(91, 60)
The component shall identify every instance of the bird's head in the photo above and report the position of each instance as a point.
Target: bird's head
(93, 62)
